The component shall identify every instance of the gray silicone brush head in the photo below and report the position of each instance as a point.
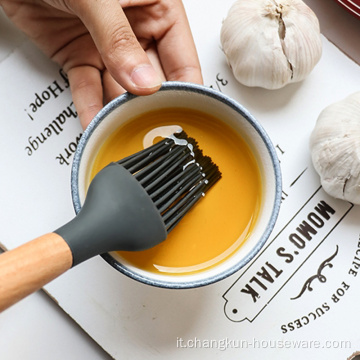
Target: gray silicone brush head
(133, 204)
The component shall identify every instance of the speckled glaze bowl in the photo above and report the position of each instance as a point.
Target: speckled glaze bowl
(176, 94)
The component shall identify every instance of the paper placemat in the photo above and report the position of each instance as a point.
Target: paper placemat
(297, 298)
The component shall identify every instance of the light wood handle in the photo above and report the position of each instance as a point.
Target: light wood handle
(29, 267)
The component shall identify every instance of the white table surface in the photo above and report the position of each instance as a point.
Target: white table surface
(36, 328)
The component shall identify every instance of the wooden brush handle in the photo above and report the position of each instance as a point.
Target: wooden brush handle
(27, 268)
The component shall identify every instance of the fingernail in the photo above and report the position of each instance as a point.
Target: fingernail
(145, 77)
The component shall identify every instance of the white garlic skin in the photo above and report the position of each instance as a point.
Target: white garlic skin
(271, 43)
(335, 148)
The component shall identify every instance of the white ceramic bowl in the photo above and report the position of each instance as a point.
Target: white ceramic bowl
(178, 94)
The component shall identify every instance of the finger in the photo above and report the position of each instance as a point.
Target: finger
(86, 89)
(131, 3)
(178, 53)
(121, 52)
(112, 89)
(153, 56)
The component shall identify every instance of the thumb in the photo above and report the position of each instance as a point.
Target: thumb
(118, 46)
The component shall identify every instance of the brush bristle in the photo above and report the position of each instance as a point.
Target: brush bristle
(175, 174)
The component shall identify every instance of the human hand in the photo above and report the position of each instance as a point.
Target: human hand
(108, 47)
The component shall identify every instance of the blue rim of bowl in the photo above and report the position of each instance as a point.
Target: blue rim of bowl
(174, 85)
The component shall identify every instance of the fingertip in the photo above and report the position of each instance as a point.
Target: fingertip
(191, 74)
(87, 114)
(87, 92)
(145, 80)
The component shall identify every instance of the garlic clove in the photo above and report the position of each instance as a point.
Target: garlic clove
(335, 148)
(302, 42)
(270, 43)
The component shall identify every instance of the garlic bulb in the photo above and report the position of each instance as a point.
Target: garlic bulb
(270, 43)
(335, 148)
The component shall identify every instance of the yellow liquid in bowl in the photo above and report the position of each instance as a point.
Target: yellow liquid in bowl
(220, 222)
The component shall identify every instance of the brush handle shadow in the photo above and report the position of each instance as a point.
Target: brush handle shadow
(29, 267)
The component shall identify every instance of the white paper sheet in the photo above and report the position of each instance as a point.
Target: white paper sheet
(297, 298)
